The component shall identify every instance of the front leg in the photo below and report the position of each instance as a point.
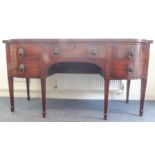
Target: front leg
(106, 95)
(11, 92)
(142, 98)
(28, 88)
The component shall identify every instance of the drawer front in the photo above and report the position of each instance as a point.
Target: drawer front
(122, 69)
(125, 61)
(25, 51)
(25, 68)
(125, 52)
(29, 51)
(78, 51)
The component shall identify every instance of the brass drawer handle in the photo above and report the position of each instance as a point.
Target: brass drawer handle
(22, 68)
(56, 51)
(131, 53)
(93, 51)
(21, 53)
(130, 69)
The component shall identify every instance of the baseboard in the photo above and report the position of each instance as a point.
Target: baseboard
(73, 94)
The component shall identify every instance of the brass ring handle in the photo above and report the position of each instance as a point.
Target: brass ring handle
(22, 68)
(130, 69)
(93, 51)
(56, 51)
(131, 53)
(21, 53)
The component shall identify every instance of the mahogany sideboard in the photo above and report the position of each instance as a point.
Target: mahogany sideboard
(114, 59)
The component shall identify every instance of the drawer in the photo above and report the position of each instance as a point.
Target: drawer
(123, 51)
(78, 51)
(122, 69)
(25, 51)
(127, 61)
(124, 60)
(34, 51)
(26, 68)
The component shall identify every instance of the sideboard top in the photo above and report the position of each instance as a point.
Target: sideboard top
(78, 41)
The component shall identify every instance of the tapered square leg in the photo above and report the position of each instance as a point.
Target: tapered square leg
(11, 92)
(106, 95)
(43, 90)
(128, 91)
(142, 98)
(28, 88)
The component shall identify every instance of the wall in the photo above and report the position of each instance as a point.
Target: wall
(76, 19)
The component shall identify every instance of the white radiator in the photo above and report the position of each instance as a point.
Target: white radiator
(85, 82)
(70, 86)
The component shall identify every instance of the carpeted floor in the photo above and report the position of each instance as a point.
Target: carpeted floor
(59, 110)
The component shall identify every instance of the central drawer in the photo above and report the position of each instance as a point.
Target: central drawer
(78, 51)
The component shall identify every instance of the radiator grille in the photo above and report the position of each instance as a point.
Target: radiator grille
(85, 82)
